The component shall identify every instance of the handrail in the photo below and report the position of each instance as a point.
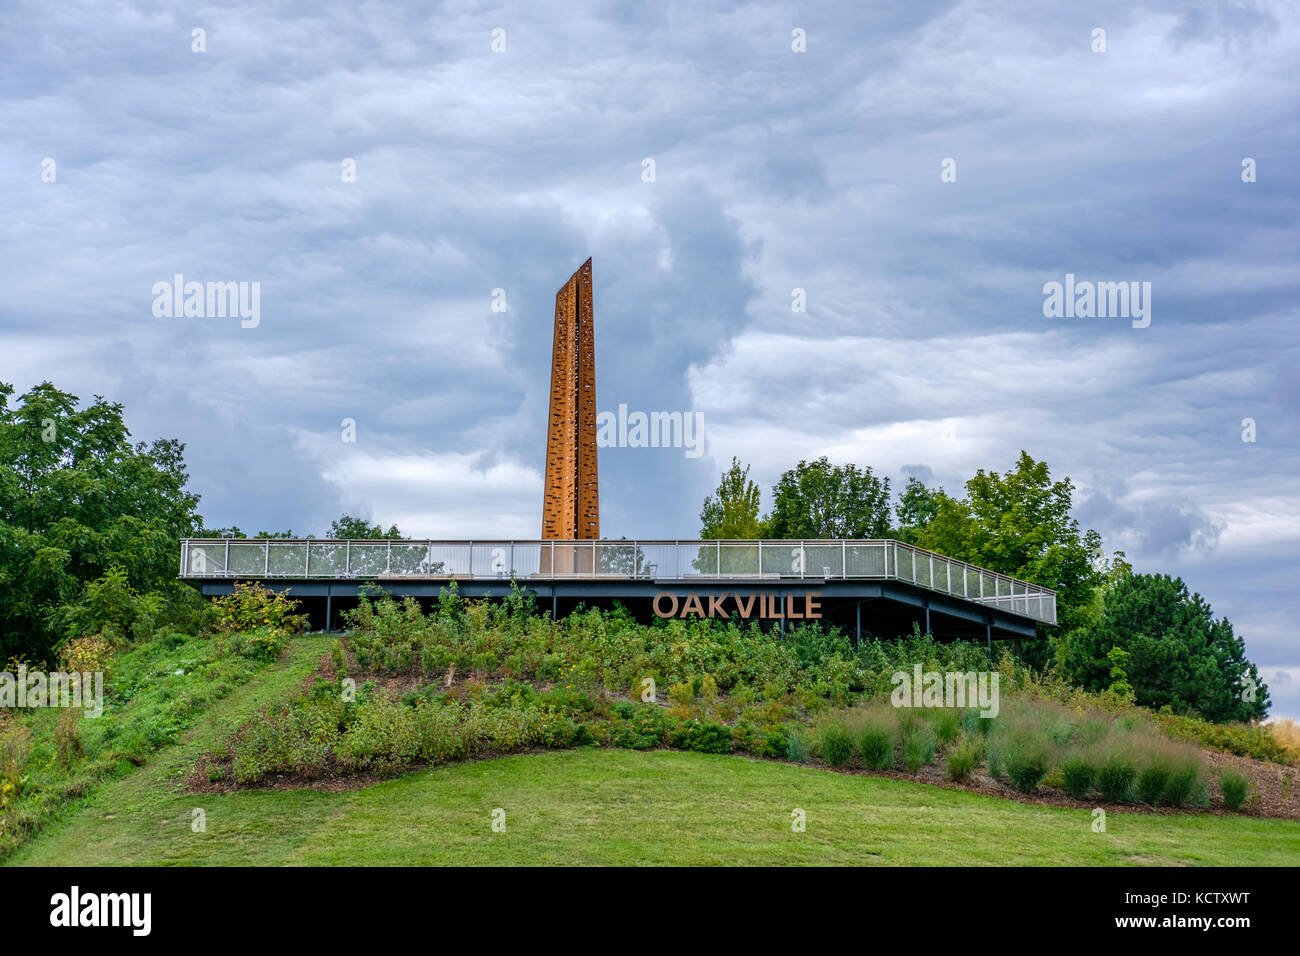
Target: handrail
(645, 559)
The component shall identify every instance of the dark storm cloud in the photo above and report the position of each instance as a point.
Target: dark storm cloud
(923, 349)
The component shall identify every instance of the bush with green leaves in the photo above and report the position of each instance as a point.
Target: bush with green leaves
(1184, 785)
(1151, 781)
(256, 622)
(1027, 762)
(797, 747)
(645, 726)
(918, 746)
(836, 744)
(1235, 788)
(960, 761)
(1078, 774)
(702, 736)
(1116, 778)
(876, 742)
(946, 723)
(109, 605)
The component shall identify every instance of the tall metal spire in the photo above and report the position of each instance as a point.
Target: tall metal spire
(571, 496)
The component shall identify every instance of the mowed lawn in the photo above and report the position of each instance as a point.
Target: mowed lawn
(622, 807)
(597, 806)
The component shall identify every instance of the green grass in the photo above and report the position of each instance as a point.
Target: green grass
(601, 806)
(170, 701)
(627, 807)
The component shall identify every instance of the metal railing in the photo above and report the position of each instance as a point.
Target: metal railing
(269, 558)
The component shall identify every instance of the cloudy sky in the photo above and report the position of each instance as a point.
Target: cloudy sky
(712, 163)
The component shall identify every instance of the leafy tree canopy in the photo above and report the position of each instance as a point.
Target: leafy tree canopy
(1019, 523)
(732, 511)
(347, 526)
(1175, 653)
(78, 498)
(820, 500)
(916, 508)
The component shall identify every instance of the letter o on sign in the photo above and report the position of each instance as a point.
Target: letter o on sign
(671, 597)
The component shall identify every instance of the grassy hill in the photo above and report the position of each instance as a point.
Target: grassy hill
(599, 805)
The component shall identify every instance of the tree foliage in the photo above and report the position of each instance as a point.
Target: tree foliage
(347, 526)
(78, 498)
(916, 508)
(732, 511)
(820, 500)
(1019, 523)
(1172, 650)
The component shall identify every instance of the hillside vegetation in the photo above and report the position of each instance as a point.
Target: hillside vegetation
(475, 679)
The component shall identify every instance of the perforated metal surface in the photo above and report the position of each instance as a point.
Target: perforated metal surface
(571, 495)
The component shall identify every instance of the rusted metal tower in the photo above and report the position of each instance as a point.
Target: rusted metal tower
(571, 496)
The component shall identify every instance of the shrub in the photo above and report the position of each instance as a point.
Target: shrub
(709, 688)
(263, 644)
(15, 744)
(796, 745)
(253, 606)
(836, 745)
(109, 605)
(1261, 741)
(67, 742)
(1152, 780)
(877, 745)
(707, 737)
(1026, 762)
(548, 668)
(946, 723)
(1183, 783)
(644, 729)
(1115, 779)
(918, 746)
(961, 760)
(1235, 787)
(86, 655)
(1078, 775)
(390, 636)
(681, 694)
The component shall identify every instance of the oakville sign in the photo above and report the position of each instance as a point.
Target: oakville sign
(761, 605)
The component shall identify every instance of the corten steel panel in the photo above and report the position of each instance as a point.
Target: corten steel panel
(571, 496)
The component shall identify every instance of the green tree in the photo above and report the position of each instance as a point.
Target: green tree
(820, 500)
(1019, 523)
(1118, 659)
(917, 506)
(1178, 654)
(77, 499)
(732, 512)
(357, 529)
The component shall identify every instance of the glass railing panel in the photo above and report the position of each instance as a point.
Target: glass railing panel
(287, 559)
(824, 559)
(248, 558)
(865, 560)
